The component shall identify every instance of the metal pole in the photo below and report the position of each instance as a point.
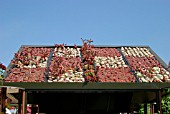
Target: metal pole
(24, 102)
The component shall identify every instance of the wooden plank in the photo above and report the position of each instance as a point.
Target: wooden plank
(12, 90)
(83, 86)
(3, 97)
(19, 109)
(152, 108)
(24, 102)
(145, 108)
(159, 101)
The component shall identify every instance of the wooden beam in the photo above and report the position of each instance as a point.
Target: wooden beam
(145, 108)
(24, 102)
(3, 97)
(20, 102)
(152, 108)
(159, 101)
(38, 109)
(19, 109)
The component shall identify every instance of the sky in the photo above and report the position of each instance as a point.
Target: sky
(107, 22)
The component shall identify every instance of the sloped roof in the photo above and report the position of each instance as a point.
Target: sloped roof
(131, 74)
(101, 64)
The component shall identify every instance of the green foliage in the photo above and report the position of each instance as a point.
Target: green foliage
(1, 74)
(166, 103)
(141, 111)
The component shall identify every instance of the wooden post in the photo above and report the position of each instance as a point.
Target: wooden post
(3, 97)
(24, 102)
(38, 109)
(19, 108)
(20, 102)
(1, 101)
(145, 108)
(35, 108)
(152, 108)
(159, 101)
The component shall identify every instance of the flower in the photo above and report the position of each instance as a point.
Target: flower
(3, 67)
